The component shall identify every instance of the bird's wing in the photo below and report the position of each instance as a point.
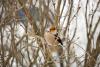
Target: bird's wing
(58, 39)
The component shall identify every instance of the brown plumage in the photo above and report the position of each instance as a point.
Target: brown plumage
(53, 40)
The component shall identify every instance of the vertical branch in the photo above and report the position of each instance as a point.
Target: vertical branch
(2, 49)
(86, 18)
(57, 13)
(91, 22)
(97, 23)
(42, 3)
(69, 16)
(67, 28)
(64, 3)
(13, 47)
(87, 49)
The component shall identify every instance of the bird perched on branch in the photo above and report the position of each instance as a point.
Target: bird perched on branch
(54, 42)
(51, 36)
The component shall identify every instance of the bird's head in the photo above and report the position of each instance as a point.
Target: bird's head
(53, 29)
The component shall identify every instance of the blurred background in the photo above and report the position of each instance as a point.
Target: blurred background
(22, 27)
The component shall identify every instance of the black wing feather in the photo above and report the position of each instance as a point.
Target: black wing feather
(58, 39)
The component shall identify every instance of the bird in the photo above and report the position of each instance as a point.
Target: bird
(51, 36)
(54, 42)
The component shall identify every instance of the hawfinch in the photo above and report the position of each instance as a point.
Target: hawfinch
(53, 39)
(54, 44)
